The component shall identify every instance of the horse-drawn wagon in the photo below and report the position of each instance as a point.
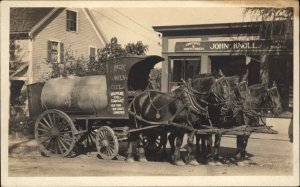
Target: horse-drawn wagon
(93, 109)
(108, 109)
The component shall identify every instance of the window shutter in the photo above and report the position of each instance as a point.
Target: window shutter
(68, 21)
(49, 51)
(62, 52)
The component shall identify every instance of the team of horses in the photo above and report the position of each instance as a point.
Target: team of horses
(206, 102)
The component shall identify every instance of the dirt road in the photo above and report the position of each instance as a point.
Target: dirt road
(272, 156)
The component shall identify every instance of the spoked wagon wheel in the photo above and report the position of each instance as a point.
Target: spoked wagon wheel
(153, 142)
(55, 133)
(107, 143)
(88, 139)
(91, 137)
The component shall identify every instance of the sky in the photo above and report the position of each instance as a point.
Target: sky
(135, 24)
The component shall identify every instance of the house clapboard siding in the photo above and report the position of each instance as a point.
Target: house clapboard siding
(55, 30)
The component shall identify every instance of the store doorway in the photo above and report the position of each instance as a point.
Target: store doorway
(236, 65)
(230, 65)
(183, 68)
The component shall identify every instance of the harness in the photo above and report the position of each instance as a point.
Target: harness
(190, 102)
(267, 101)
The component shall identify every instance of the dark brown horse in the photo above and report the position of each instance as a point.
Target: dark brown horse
(233, 117)
(247, 105)
(259, 99)
(174, 112)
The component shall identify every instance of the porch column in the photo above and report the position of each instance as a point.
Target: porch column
(205, 64)
(165, 66)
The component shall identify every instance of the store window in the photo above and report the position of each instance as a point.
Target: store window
(71, 21)
(183, 68)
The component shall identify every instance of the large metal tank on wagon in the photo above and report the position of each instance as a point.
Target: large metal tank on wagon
(76, 94)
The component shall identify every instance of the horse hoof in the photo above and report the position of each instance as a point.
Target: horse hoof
(241, 163)
(179, 163)
(130, 160)
(143, 160)
(194, 163)
(210, 163)
(218, 163)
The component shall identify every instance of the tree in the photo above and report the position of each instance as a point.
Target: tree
(114, 50)
(82, 66)
(276, 22)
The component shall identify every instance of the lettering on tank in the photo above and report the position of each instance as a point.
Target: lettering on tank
(117, 86)
(117, 102)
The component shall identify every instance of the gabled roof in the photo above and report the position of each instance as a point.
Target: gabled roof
(25, 21)
(22, 20)
(20, 73)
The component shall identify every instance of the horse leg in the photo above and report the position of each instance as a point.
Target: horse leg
(198, 145)
(245, 142)
(171, 138)
(208, 147)
(239, 139)
(141, 151)
(209, 144)
(190, 156)
(203, 152)
(164, 139)
(209, 153)
(216, 155)
(176, 156)
(129, 151)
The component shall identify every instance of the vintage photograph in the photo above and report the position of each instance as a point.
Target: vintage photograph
(123, 91)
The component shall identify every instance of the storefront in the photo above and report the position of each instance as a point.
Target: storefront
(234, 48)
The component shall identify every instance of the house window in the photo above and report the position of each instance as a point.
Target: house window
(92, 53)
(71, 20)
(55, 52)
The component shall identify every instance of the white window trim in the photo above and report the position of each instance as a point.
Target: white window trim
(58, 49)
(77, 21)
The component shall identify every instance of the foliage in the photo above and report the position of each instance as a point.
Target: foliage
(275, 22)
(82, 66)
(115, 50)
(136, 49)
(155, 79)
(21, 126)
(268, 16)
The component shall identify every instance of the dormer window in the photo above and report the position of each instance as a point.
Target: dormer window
(71, 21)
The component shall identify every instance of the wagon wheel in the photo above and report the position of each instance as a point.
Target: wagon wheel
(152, 142)
(107, 143)
(88, 139)
(91, 137)
(55, 133)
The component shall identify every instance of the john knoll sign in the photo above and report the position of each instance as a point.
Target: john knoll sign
(225, 46)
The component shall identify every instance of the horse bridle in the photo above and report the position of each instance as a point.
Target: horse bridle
(272, 103)
(193, 96)
(236, 95)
